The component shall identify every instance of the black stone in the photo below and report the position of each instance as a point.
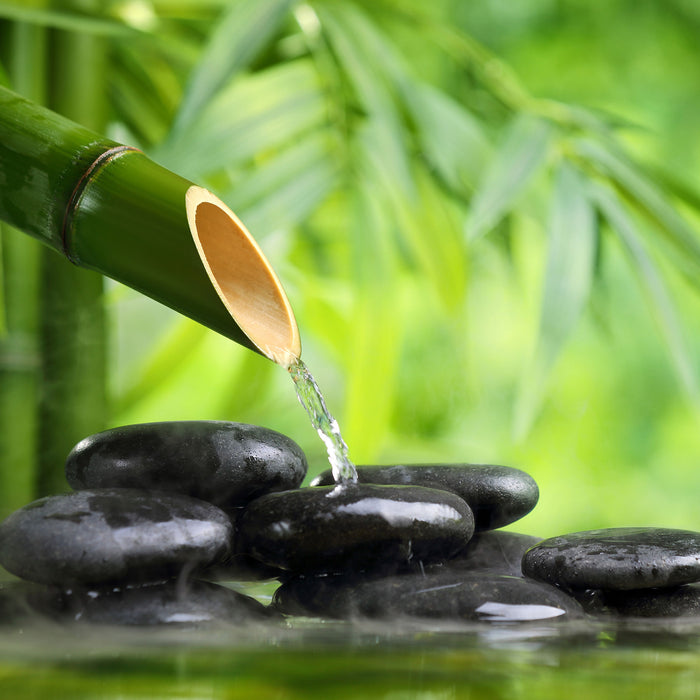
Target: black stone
(497, 495)
(354, 527)
(446, 595)
(183, 603)
(677, 601)
(228, 464)
(495, 551)
(112, 535)
(617, 558)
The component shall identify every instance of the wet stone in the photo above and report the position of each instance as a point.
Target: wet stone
(446, 595)
(617, 559)
(228, 464)
(677, 601)
(183, 603)
(358, 527)
(497, 495)
(112, 535)
(494, 551)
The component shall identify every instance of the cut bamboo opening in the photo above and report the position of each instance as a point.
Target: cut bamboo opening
(242, 277)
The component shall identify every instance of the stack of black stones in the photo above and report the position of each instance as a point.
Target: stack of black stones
(160, 512)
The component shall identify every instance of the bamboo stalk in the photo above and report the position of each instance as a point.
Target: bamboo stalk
(73, 325)
(109, 208)
(19, 363)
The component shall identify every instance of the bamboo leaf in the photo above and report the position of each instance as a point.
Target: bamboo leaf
(676, 186)
(285, 189)
(647, 197)
(239, 36)
(266, 175)
(361, 55)
(431, 232)
(257, 114)
(4, 79)
(293, 201)
(142, 115)
(67, 21)
(567, 283)
(453, 140)
(145, 90)
(660, 301)
(523, 150)
(450, 136)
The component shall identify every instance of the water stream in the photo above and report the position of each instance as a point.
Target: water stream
(326, 426)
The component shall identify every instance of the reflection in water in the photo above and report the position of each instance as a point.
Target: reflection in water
(507, 612)
(306, 659)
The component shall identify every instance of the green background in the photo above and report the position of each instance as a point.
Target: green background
(484, 215)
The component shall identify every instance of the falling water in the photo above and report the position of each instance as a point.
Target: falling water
(326, 426)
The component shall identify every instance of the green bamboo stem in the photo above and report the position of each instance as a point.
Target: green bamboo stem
(124, 215)
(19, 362)
(73, 325)
(18, 371)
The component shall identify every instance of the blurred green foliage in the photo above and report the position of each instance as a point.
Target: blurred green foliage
(485, 216)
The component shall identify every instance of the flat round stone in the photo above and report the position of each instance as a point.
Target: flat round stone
(354, 527)
(497, 495)
(495, 551)
(617, 558)
(188, 603)
(447, 595)
(112, 535)
(678, 601)
(227, 464)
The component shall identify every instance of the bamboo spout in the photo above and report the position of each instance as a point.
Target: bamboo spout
(242, 277)
(109, 208)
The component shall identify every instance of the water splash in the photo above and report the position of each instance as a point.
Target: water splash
(326, 426)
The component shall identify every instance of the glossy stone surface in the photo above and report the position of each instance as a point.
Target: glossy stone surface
(677, 601)
(617, 558)
(186, 603)
(446, 595)
(112, 535)
(354, 527)
(227, 464)
(495, 551)
(497, 495)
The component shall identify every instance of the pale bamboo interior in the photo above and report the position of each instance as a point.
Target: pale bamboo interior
(242, 277)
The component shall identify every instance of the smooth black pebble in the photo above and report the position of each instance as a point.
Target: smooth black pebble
(354, 527)
(446, 595)
(497, 495)
(227, 464)
(112, 535)
(185, 603)
(617, 559)
(677, 601)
